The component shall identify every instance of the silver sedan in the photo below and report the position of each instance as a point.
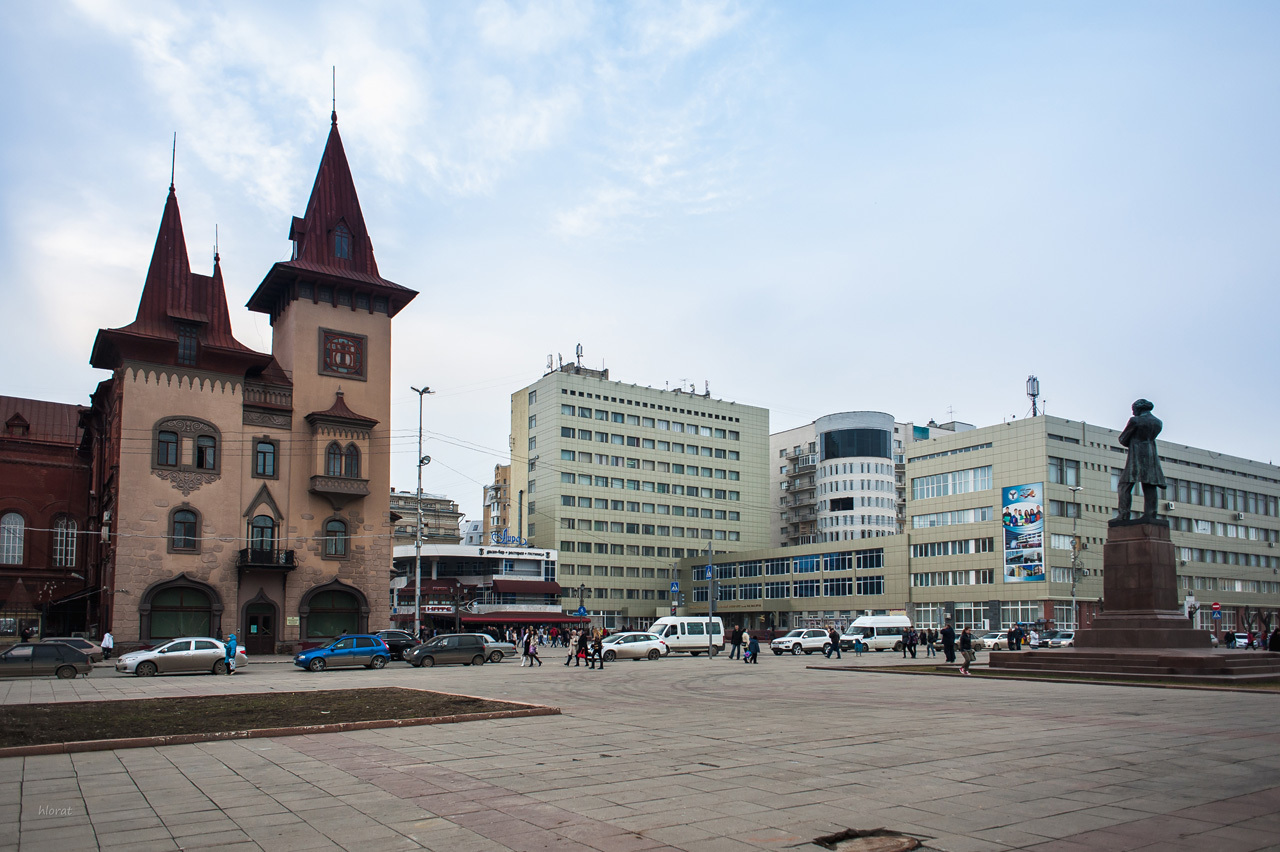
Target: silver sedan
(195, 654)
(634, 646)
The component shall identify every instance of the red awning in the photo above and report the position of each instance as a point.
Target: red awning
(509, 586)
(524, 618)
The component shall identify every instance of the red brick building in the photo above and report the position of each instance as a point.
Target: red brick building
(47, 542)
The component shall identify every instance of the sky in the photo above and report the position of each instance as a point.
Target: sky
(811, 207)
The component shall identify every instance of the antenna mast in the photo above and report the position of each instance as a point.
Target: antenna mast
(1033, 391)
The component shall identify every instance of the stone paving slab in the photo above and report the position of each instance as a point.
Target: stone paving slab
(683, 753)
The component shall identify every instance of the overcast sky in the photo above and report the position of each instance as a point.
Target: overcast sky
(814, 207)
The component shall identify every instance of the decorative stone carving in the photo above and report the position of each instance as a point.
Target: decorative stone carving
(186, 481)
(275, 420)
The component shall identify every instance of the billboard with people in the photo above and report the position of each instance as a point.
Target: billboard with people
(1023, 518)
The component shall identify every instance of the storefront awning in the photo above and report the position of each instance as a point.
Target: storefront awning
(524, 618)
(508, 586)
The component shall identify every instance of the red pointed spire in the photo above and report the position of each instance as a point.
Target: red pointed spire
(174, 295)
(333, 232)
(169, 273)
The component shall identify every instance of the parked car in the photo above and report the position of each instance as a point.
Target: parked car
(469, 649)
(359, 650)
(1060, 639)
(634, 646)
(688, 633)
(185, 655)
(993, 641)
(92, 649)
(803, 639)
(397, 642)
(46, 658)
(496, 649)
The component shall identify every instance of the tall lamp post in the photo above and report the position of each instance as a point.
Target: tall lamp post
(423, 461)
(1075, 550)
(711, 604)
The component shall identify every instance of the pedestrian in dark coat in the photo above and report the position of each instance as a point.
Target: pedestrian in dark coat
(966, 650)
(753, 649)
(949, 642)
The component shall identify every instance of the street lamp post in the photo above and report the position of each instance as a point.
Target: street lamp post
(417, 538)
(711, 604)
(1075, 551)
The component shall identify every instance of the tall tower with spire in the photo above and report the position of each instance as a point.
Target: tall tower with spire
(239, 491)
(331, 313)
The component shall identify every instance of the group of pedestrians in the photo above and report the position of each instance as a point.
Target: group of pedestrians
(913, 639)
(743, 646)
(585, 646)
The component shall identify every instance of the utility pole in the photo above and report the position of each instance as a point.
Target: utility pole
(417, 538)
(1075, 551)
(711, 604)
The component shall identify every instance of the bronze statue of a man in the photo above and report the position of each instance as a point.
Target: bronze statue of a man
(1143, 465)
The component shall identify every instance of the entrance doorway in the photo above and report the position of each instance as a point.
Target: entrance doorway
(260, 628)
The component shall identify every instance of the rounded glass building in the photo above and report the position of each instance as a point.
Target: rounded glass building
(855, 476)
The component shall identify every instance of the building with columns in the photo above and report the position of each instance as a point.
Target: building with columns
(241, 491)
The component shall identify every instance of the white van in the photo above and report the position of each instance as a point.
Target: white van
(878, 632)
(689, 633)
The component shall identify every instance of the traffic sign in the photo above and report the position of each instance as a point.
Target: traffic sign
(675, 587)
(1217, 616)
(709, 569)
(582, 610)
(1217, 607)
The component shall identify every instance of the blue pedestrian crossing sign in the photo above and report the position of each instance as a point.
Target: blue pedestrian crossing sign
(709, 572)
(582, 610)
(675, 587)
(1217, 616)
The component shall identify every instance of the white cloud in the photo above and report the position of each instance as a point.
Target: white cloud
(532, 28)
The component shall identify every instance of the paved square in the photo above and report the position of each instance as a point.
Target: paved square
(682, 753)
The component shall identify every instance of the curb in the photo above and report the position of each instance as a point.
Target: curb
(257, 733)
(990, 676)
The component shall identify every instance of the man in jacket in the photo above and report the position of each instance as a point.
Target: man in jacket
(833, 636)
(735, 640)
(949, 642)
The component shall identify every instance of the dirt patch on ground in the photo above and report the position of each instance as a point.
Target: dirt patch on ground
(40, 724)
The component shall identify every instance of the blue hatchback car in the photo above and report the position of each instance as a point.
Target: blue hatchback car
(357, 650)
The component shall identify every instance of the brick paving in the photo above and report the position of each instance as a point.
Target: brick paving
(685, 754)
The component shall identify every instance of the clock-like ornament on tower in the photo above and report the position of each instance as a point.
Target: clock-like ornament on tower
(342, 353)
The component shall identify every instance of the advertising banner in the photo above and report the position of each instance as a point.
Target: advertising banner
(1023, 517)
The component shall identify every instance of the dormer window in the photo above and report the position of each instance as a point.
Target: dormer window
(341, 241)
(188, 340)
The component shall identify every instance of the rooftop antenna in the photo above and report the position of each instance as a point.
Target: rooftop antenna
(560, 360)
(173, 159)
(1033, 391)
(707, 384)
(215, 243)
(578, 352)
(333, 116)
(549, 363)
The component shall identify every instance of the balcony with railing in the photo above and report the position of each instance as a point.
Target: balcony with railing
(263, 559)
(339, 490)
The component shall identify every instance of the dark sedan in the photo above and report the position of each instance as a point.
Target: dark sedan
(398, 641)
(47, 658)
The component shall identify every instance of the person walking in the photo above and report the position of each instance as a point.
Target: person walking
(1274, 643)
(531, 649)
(231, 654)
(108, 645)
(753, 650)
(571, 645)
(834, 638)
(1011, 639)
(966, 650)
(949, 642)
(580, 648)
(929, 639)
(735, 641)
(597, 652)
(913, 640)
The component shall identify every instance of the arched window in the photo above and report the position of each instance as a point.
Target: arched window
(184, 530)
(180, 612)
(12, 530)
(264, 459)
(64, 542)
(333, 460)
(351, 462)
(206, 452)
(262, 533)
(333, 613)
(167, 449)
(341, 241)
(335, 538)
